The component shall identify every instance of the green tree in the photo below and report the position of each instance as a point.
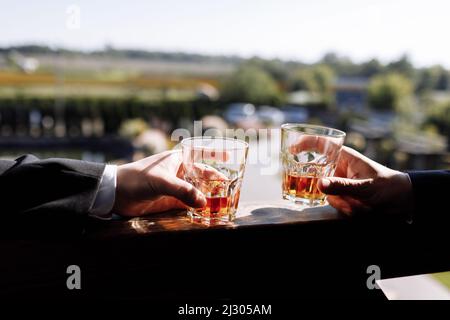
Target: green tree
(304, 79)
(438, 116)
(370, 68)
(251, 84)
(402, 66)
(318, 79)
(443, 82)
(427, 79)
(433, 78)
(324, 77)
(389, 91)
(275, 67)
(341, 65)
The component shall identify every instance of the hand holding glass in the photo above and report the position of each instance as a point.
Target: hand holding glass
(215, 166)
(308, 153)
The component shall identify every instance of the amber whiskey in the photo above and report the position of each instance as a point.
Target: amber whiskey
(302, 187)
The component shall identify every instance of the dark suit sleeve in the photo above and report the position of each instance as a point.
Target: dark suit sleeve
(431, 192)
(52, 188)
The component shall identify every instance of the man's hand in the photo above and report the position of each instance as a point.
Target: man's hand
(361, 184)
(154, 184)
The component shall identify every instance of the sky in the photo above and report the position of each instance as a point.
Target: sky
(288, 29)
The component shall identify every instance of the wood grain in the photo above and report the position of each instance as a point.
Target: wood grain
(249, 215)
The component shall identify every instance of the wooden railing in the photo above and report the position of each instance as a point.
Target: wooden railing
(272, 250)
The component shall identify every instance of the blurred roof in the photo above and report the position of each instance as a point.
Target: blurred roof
(351, 83)
(370, 130)
(420, 144)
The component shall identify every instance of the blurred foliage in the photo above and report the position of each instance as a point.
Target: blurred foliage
(132, 128)
(251, 84)
(344, 66)
(402, 66)
(349, 116)
(370, 68)
(341, 65)
(438, 116)
(114, 111)
(132, 85)
(128, 53)
(388, 91)
(433, 78)
(318, 79)
(277, 69)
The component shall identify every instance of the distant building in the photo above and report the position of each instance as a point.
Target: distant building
(421, 152)
(351, 94)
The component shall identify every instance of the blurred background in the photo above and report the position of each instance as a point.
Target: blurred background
(110, 80)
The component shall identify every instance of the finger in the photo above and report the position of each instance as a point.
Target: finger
(183, 191)
(340, 204)
(201, 170)
(307, 143)
(353, 164)
(207, 172)
(200, 155)
(328, 146)
(315, 143)
(347, 205)
(342, 162)
(361, 188)
(356, 205)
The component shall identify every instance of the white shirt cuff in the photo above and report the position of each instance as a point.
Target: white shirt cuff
(104, 200)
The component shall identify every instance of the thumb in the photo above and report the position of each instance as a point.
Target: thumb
(184, 191)
(358, 188)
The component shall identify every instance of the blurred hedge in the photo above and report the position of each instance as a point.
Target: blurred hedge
(15, 111)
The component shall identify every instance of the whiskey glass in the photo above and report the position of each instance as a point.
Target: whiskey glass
(215, 166)
(308, 153)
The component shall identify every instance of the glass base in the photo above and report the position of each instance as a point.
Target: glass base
(210, 219)
(305, 201)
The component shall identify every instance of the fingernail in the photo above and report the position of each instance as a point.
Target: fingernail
(325, 183)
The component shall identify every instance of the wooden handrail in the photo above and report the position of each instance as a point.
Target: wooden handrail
(272, 250)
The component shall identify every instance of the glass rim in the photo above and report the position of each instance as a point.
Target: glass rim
(186, 140)
(336, 133)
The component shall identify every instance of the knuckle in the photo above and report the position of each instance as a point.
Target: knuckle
(188, 190)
